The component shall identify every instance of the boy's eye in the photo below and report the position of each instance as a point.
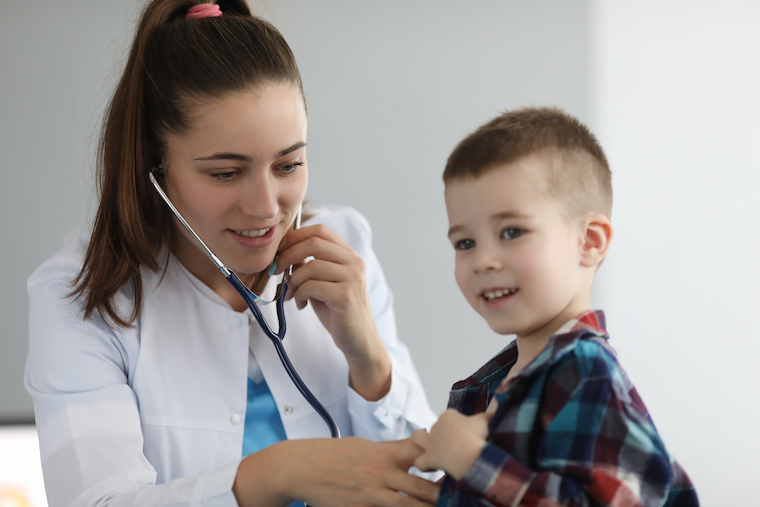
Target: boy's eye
(511, 233)
(464, 244)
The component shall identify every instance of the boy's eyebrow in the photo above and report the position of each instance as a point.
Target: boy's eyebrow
(509, 214)
(226, 155)
(454, 229)
(498, 216)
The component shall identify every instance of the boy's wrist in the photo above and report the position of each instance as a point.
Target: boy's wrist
(464, 455)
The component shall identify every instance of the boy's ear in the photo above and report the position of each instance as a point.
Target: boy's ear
(597, 233)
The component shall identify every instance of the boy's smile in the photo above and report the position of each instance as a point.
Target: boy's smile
(518, 254)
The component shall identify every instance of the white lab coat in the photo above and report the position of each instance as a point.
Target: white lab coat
(153, 415)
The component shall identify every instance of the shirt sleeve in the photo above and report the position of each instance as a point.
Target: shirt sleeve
(405, 408)
(596, 447)
(88, 423)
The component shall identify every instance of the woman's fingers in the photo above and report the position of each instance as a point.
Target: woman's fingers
(332, 261)
(317, 230)
(313, 241)
(421, 439)
(355, 471)
(334, 280)
(323, 281)
(419, 490)
(416, 487)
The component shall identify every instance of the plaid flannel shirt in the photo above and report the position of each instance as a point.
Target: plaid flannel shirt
(570, 429)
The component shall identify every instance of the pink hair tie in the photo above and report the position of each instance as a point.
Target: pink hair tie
(201, 11)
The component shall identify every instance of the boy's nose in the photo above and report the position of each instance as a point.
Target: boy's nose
(487, 259)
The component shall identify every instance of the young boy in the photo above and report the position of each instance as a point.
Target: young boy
(553, 419)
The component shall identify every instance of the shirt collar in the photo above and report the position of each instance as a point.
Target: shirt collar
(589, 324)
(592, 320)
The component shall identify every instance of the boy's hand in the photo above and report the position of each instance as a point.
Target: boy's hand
(453, 444)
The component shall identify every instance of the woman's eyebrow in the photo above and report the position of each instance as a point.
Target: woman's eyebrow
(293, 148)
(226, 155)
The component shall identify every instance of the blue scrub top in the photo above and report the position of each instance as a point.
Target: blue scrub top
(263, 426)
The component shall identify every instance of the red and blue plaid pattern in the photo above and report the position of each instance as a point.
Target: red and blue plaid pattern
(570, 429)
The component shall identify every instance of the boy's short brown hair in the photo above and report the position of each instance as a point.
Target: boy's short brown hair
(577, 170)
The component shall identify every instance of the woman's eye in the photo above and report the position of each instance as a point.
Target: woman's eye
(224, 175)
(464, 244)
(289, 168)
(511, 233)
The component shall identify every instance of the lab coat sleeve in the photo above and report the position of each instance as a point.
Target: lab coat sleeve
(87, 416)
(405, 408)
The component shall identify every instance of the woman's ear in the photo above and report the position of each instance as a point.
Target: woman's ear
(596, 236)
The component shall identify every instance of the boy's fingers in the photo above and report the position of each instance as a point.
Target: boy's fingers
(419, 437)
(425, 463)
(406, 452)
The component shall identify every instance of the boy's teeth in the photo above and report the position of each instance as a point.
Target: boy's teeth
(253, 234)
(497, 294)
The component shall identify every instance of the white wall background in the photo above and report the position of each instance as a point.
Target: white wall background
(669, 86)
(676, 105)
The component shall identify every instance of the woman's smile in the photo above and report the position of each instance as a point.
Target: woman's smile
(255, 238)
(256, 233)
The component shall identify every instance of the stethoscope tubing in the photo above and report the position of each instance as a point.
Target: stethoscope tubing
(276, 339)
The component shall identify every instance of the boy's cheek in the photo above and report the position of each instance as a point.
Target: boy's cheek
(462, 279)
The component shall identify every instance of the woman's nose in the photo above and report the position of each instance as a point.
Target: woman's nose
(259, 197)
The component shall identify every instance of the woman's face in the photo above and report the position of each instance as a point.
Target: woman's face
(238, 177)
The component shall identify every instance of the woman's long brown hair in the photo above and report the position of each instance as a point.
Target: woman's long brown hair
(174, 65)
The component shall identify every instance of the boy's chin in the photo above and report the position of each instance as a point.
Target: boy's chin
(500, 327)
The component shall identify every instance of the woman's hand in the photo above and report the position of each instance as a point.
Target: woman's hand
(334, 472)
(334, 282)
(453, 444)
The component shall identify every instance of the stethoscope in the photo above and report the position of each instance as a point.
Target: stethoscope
(252, 300)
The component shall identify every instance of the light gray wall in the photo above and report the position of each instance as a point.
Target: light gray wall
(391, 87)
(676, 105)
(55, 62)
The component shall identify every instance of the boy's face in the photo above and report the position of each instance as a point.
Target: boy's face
(517, 254)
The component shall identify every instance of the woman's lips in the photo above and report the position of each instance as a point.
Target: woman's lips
(254, 238)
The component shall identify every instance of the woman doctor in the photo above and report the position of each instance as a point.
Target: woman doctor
(152, 384)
